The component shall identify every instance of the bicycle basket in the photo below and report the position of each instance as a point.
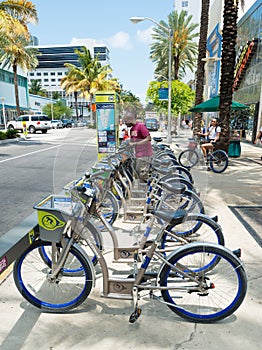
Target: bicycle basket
(53, 213)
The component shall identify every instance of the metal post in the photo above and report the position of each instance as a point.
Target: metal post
(169, 136)
(3, 105)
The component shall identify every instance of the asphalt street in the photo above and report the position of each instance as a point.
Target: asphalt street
(101, 323)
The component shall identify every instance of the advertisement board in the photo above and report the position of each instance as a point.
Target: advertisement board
(107, 123)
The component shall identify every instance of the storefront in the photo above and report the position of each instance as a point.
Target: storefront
(248, 78)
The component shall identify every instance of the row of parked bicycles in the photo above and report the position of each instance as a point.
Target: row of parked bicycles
(179, 257)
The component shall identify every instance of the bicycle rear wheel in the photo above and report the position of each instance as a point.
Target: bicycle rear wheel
(64, 292)
(205, 294)
(218, 161)
(187, 200)
(188, 158)
(195, 228)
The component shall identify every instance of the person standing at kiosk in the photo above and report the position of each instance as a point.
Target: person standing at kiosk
(140, 138)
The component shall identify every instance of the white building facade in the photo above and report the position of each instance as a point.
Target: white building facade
(51, 68)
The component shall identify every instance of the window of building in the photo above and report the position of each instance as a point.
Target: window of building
(32, 74)
(52, 73)
(45, 74)
(59, 73)
(184, 3)
(38, 74)
(46, 80)
(53, 80)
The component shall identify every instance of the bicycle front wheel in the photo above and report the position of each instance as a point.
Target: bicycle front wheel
(188, 158)
(46, 252)
(218, 161)
(64, 292)
(197, 293)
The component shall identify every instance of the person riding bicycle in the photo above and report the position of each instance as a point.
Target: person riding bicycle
(213, 135)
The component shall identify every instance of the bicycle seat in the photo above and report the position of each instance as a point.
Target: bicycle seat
(157, 139)
(170, 216)
(174, 186)
(165, 171)
(163, 161)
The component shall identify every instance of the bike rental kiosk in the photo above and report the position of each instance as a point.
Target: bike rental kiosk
(107, 121)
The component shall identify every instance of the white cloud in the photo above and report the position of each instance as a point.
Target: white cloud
(120, 40)
(145, 36)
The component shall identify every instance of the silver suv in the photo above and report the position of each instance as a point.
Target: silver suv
(34, 123)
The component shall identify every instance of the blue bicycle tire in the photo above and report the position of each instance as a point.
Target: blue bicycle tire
(225, 283)
(218, 161)
(65, 292)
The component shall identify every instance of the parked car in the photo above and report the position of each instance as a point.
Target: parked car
(56, 124)
(34, 123)
(68, 123)
(82, 122)
(151, 124)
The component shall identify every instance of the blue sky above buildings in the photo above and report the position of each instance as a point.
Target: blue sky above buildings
(60, 21)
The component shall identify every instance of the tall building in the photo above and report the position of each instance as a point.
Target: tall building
(51, 68)
(192, 7)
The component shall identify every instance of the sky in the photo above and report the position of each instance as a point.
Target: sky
(60, 21)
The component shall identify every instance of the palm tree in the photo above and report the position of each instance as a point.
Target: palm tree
(184, 50)
(18, 55)
(229, 36)
(128, 100)
(88, 78)
(14, 16)
(202, 48)
(36, 88)
(15, 36)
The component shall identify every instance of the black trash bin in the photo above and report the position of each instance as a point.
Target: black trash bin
(234, 149)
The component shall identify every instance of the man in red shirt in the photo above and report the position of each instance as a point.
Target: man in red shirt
(139, 138)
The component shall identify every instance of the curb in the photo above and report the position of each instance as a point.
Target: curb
(2, 142)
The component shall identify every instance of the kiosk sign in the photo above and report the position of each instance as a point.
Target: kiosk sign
(106, 123)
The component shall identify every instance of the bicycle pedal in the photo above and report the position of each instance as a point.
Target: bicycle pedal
(237, 252)
(135, 315)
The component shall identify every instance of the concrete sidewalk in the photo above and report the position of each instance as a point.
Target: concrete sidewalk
(101, 323)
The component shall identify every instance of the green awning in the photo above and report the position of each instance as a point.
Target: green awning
(212, 105)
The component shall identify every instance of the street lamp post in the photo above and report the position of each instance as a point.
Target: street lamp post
(136, 20)
(3, 106)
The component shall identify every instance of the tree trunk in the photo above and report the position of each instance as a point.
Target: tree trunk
(202, 46)
(227, 69)
(16, 89)
(176, 67)
(76, 104)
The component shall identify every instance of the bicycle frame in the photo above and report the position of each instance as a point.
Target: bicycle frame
(119, 288)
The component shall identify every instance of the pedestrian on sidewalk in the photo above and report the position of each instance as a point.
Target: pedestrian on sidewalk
(122, 130)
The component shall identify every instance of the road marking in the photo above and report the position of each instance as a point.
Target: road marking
(28, 154)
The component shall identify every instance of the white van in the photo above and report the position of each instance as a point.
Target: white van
(34, 123)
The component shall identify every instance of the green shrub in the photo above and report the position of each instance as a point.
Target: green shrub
(2, 135)
(12, 134)
(9, 134)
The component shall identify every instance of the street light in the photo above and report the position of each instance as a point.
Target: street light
(136, 20)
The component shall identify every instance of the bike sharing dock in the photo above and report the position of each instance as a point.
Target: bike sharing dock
(103, 323)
